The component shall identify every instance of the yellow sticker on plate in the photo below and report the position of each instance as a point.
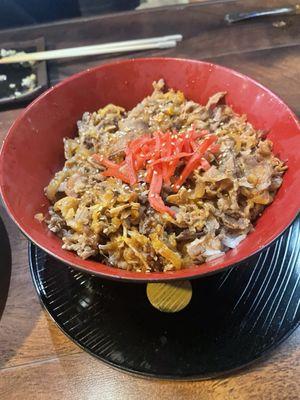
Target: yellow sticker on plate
(170, 297)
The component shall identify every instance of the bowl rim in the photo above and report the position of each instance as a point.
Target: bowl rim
(118, 273)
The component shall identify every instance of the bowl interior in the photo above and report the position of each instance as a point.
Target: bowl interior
(33, 149)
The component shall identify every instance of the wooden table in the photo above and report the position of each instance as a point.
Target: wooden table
(36, 360)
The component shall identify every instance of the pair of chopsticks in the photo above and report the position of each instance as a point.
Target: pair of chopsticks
(162, 42)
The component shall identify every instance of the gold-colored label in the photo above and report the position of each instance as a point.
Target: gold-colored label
(170, 297)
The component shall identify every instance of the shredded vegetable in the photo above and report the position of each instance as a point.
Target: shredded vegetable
(159, 155)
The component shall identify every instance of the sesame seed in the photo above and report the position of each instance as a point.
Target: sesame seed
(155, 172)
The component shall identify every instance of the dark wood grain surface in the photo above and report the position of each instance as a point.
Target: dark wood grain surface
(36, 360)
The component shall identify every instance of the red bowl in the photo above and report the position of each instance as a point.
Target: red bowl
(33, 149)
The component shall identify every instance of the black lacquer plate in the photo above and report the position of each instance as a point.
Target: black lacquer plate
(16, 72)
(5, 266)
(234, 317)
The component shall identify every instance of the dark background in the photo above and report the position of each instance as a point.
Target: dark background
(15, 13)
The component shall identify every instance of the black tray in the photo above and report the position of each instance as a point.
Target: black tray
(234, 317)
(16, 72)
(5, 266)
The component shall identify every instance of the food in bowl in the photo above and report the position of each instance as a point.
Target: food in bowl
(163, 186)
